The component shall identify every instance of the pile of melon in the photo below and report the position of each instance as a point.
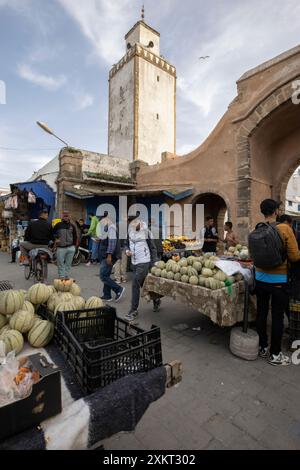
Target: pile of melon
(198, 271)
(240, 252)
(19, 321)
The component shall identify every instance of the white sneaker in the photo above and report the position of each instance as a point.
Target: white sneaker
(88, 264)
(280, 360)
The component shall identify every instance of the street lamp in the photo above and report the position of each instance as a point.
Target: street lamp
(49, 131)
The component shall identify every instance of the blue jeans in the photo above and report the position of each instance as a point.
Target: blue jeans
(108, 283)
(64, 261)
(95, 250)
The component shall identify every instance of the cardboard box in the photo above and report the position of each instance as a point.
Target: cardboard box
(43, 402)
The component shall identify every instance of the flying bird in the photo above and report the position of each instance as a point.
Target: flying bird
(204, 57)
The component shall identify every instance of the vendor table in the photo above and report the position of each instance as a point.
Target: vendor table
(225, 307)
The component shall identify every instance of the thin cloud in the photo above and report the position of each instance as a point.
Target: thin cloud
(84, 101)
(44, 81)
(103, 22)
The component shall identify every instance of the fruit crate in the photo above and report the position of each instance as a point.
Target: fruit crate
(105, 325)
(97, 356)
(5, 285)
(294, 320)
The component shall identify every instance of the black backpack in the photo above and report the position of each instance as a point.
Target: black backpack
(266, 246)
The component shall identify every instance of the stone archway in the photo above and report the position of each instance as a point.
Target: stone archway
(280, 191)
(215, 205)
(248, 189)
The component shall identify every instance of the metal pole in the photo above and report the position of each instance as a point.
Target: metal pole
(246, 306)
(61, 140)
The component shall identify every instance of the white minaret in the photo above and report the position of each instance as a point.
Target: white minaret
(142, 99)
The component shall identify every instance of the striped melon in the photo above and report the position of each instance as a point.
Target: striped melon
(65, 297)
(52, 302)
(41, 334)
(11, 301)
(75, 289)
(52, 290)
(177, 277)
(22, 321)
(94, 302)
(79, 302)
(38, 294)
(3, 320)
(13, 340)
(64, 307)
(3, 330)
(28, 307)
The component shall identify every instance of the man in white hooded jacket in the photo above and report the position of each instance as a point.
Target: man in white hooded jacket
(142, 250)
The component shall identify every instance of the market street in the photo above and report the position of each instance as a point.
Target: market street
(222, 403)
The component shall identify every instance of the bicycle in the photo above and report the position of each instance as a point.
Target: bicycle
(38, 265)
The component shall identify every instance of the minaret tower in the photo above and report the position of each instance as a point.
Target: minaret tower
(142, 99)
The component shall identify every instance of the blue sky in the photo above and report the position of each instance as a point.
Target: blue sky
(56, 55)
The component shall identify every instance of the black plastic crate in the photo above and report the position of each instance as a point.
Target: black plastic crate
(294, 320)
(98, 360)
(5, 285)
(104, 327)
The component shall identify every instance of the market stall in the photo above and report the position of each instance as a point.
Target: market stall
(202, 283)
(23, 204)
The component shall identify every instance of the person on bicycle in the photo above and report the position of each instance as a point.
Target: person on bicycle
(65, 235)
(37, 235)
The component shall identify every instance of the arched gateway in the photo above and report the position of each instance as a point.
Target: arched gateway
(251, 153)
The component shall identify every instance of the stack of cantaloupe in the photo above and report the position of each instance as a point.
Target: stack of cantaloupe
(240, 252)
(198, 271)
(19, 321)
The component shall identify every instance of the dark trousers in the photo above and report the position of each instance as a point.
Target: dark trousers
(14, 252)
(108, 283)
(140, 272)
(277, 294)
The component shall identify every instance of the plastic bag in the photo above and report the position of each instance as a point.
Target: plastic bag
(16, 378)
(8, 370)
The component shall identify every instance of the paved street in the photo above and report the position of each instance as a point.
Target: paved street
(222, 402)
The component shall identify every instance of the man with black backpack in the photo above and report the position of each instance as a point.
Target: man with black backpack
(271, 246)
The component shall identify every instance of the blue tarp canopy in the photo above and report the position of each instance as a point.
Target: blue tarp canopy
(42, 191)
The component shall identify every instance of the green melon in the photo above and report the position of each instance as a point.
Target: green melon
(158, 272)
(75, 289)
(170, 275)
(184, 271)
(40, 334)
(220, 276)
(176, 268)
(3, 330)
(177, 277)
(94, 302)
(79, 302)
(11, 301)
(164, 274)
(22, 321)
(198, 266)
(185, 278)
(3, 320)
(194, 280)
(153, 270)
(38, 294)
(64, 307)
(13, 341)
(160, 265)
(183, 263)
(207, 272)
(191, 260)
(192, 272)
(28, 306)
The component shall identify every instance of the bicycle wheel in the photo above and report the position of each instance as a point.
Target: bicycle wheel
(39, 270)
(77, 259)
(45, 269)
(27, 272)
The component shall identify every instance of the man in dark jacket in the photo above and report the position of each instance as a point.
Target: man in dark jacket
(65, 235)
(109, 253)
(38, 235)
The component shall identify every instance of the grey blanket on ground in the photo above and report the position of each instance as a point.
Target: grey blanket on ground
(88, 420)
